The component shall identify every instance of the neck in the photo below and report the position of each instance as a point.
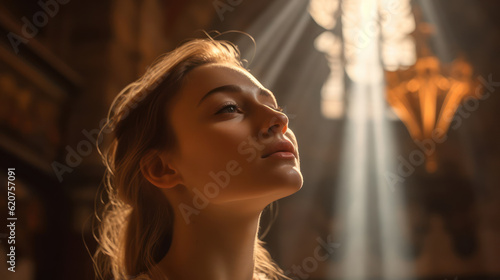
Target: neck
(216, 244)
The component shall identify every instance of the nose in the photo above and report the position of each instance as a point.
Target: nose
(275, 122)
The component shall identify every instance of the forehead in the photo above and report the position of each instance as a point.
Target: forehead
(209, 76)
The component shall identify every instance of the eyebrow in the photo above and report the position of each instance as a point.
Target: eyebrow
(232, 89)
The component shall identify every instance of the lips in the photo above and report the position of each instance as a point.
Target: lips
(281, 146)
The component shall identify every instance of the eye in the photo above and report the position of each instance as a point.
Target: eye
(229, 107)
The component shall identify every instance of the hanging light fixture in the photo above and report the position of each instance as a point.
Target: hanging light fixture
(425, 96)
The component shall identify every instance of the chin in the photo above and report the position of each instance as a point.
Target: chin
(266, 189)
(291, 189)
(287, 186)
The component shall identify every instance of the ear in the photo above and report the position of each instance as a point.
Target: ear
(158, 171)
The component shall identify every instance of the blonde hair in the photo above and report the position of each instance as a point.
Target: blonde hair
(136, 222)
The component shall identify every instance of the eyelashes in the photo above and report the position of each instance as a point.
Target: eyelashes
(226, 108)
(231, 107)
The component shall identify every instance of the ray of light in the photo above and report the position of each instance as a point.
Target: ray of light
(351, 200)
(368, 134)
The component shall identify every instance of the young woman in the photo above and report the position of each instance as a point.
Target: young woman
(199, 148)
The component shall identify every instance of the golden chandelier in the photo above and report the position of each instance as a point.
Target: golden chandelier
(426, 95)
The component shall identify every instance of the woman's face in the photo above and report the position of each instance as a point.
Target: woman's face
(226, 123)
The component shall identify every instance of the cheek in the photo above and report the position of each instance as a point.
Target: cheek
(209, 149)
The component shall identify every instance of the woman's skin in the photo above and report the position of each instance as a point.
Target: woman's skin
(215, 240)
